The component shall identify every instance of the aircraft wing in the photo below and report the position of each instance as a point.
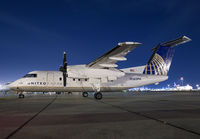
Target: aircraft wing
(116, 54)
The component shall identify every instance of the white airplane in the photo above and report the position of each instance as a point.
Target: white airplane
(102, 75)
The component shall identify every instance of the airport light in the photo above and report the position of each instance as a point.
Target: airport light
(182, 80)
(197, 86)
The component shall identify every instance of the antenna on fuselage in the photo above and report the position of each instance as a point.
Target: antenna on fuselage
(64, 69)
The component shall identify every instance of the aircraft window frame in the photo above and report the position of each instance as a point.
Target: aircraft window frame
(30, 76)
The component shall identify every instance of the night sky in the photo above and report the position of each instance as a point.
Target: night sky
(34, 33)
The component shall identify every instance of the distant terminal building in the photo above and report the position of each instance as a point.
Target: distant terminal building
(183, 88)
(175, 88)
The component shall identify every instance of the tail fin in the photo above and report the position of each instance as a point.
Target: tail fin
(161, 59)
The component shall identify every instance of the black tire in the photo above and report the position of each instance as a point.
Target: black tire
(85, 94)
(21, 95)
(98, 96)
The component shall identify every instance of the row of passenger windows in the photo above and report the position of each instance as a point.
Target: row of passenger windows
(82, 80)
(79, 79)
(75, 79)
(35, 75)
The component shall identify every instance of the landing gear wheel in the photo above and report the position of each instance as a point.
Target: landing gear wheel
(98, 96)
(21, 95)
(85, 94)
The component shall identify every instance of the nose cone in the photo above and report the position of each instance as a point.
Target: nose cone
(11, 86)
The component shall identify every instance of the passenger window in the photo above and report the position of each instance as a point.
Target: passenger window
(60, 79)
(79, 79)
(73, 79)
(85, 79)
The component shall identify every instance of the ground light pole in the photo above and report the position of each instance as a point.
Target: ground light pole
(181, 80)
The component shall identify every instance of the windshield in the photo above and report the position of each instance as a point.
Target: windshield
(30, 75)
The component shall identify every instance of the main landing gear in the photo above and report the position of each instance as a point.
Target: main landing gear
(21, 95)
(98, 95)
(85, 94)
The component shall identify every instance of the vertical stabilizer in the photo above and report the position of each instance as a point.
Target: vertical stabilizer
(161, 59)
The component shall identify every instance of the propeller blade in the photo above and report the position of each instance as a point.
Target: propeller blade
(64, 69)
(64, 60)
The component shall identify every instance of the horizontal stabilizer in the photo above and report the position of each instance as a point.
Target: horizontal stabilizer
(176, 42)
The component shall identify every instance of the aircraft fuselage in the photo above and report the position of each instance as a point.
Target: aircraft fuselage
(52, 81)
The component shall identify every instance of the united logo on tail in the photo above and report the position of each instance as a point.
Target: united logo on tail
(156, 66)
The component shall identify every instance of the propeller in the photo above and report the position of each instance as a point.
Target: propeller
(64, 69)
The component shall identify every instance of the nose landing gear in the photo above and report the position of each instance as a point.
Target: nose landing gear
(21, 95)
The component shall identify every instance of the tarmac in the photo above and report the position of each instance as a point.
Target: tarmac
(138, 115)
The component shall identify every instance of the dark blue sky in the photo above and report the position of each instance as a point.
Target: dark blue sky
(34, 33)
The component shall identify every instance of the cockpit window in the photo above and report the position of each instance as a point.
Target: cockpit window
(30, 75)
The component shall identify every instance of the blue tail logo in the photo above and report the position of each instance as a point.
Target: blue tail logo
(160, 61)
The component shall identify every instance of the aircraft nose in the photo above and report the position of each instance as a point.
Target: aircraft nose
(11, 86)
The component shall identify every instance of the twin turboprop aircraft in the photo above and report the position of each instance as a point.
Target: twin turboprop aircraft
(102, 75)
